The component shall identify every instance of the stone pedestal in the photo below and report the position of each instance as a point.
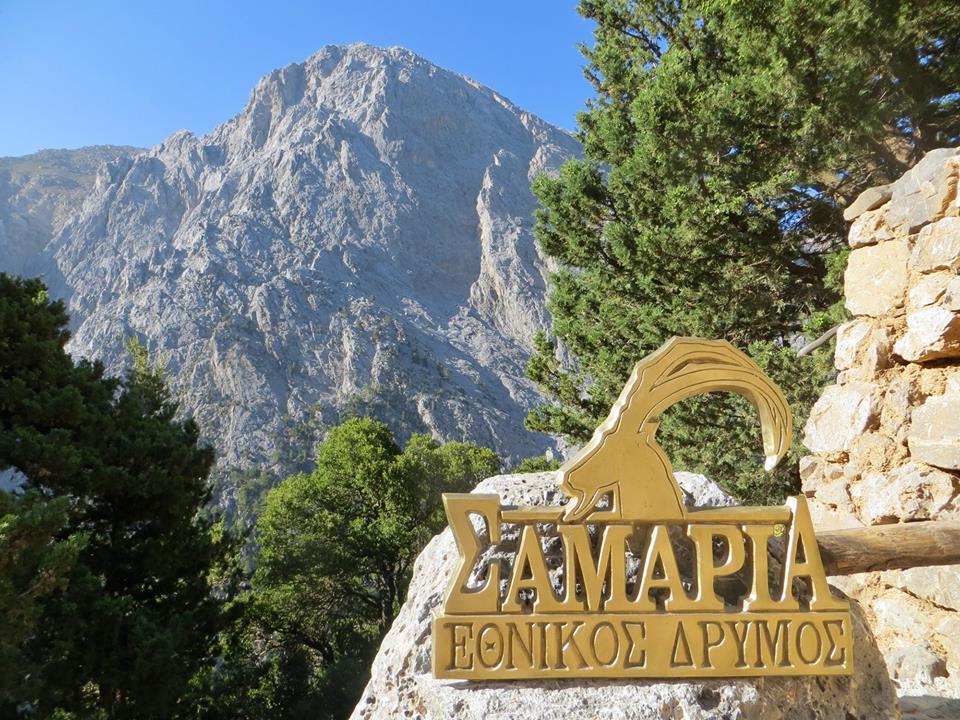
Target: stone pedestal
(402, 685)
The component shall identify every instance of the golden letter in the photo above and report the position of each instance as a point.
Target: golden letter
(759, 598)
(636, 654)
(709, 644)
(530, 555)
(660, 550)
(842, 656)
(680, 644)
(462, 652)
(459, 507)
(802, 536)
(707, 572)
(576, 553)
(513, 634)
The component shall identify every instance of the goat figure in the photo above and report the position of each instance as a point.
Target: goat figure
(623, 456)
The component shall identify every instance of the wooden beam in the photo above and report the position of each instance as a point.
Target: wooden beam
(890, 547)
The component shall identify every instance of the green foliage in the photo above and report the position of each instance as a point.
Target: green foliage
(33, 565)
(122, 597)
(294, 451)
(252, 486)
(141, 364)
(722, 144)
(337, 547)
(107, 534)
(540, 463)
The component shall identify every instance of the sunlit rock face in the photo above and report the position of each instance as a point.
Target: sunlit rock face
(357, 239)
(38, 194)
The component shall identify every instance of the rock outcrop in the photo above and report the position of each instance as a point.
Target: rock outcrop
(887, 434)
(358, 238)
(38, 194)
(402, 684)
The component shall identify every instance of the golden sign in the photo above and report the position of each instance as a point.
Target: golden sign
(608, 611)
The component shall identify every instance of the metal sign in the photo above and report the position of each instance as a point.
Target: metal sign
(619, 605)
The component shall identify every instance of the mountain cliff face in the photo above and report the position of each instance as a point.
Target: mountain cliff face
(38, 193)
(357, 239)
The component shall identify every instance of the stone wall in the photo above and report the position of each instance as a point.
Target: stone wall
(886, 436)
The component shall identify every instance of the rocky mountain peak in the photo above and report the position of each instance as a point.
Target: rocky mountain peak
(357, 239)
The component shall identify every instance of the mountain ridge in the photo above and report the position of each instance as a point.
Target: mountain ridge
(358, 238)
(38, 192)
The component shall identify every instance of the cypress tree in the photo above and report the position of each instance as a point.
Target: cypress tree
(723, 143)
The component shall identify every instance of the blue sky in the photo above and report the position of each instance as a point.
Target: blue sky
(94, 72)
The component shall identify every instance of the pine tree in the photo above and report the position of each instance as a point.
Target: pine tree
(724, 140)
(133, 616)
(33, 565)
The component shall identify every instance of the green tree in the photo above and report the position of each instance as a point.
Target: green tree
(337, 548)
(540, 463)
(724, 140)
(33, 564)
(122, 481)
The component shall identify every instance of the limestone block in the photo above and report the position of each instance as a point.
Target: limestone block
(862, 349)
(932, 332)
(918, 663)
(827, 517)
(826, 481)
(869, 229)
(898, 400)
(934, 436)
(875, 281)
(948, 627)
(929, 289)
(952, 383)
(951, 295)
(924, 193)
(699, 491)
(851, 339)
(937, 584)
(841, 415)
(898, 613)
(937, 247)
(834, 491)
(911, 492)
(877, 355)
(903, 620)
(868, 200)
(811, 470)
